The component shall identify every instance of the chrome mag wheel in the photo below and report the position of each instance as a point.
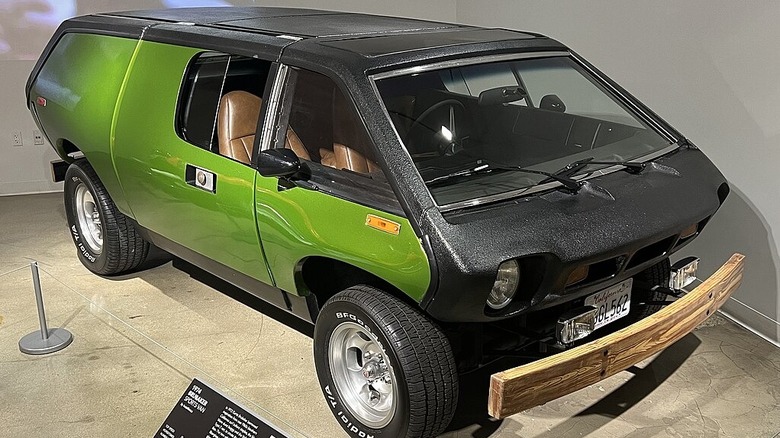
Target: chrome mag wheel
(362, 374)
(88, 216)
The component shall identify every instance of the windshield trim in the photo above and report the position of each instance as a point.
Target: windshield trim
(466, 61)
(373, 78)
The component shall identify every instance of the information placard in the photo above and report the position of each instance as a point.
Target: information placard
(204, 412)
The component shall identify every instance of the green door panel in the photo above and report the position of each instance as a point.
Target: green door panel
(299, 223)
(81, 81)
(151, 163)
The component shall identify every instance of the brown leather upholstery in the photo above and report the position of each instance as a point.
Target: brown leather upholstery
(328, 158)
(294, 142)
(237, 123)
(344, 157)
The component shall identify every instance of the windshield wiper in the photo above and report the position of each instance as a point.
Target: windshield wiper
(631, 167)
(464, 172)
(562, 175)
(572, 168)
(484, 166)
(562, 178)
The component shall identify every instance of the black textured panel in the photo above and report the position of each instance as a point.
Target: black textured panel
(335, 24)
(216, 14)
(404, 42)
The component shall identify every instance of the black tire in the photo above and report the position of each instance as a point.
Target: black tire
(656, 275)
(120, 248)
(421, 363)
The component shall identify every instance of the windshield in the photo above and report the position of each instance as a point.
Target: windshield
(539, 113)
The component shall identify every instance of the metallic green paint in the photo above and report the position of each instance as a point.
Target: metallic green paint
(151, 163)
(81, 100)
(299, 223)
(149, 160)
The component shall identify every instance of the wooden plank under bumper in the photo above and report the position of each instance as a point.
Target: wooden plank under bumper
(538, 382)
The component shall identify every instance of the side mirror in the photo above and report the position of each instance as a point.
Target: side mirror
(278, 162)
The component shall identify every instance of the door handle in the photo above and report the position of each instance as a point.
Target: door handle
(201, 178)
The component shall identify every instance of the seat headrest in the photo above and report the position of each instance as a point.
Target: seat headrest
(239, 112)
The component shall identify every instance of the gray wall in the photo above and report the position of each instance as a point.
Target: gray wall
(707, 66)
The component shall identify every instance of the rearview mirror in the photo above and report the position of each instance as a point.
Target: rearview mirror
(278, 162)
(500, 95)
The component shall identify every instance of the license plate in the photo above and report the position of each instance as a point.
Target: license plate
(612, 303)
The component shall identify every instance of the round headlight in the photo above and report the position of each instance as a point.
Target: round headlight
(505, 286)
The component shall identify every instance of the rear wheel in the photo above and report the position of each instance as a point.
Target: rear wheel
(384, 368)
(106, 241)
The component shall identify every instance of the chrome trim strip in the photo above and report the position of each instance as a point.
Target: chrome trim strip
(508, 57)
(272, 108)
(466, 61)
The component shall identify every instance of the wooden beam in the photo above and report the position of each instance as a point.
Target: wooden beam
(538, 382)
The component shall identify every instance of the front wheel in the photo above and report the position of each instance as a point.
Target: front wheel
(384, 368)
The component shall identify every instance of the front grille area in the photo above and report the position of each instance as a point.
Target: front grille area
(652, 251)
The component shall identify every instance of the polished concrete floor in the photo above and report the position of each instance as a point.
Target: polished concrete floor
(140, 339)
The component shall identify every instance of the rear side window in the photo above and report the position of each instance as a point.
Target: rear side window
(209, 77)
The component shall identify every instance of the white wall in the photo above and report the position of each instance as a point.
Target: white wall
(711, 69)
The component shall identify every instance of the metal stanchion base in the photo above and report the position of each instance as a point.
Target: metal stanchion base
(34, 343)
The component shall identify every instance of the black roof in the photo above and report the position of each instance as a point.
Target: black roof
(364, 34)
(291, 21)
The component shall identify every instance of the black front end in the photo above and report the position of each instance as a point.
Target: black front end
(570, 245)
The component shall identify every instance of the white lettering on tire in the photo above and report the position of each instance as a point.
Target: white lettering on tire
(349, 425)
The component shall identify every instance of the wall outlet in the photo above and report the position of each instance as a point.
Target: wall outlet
(37, 137)
(16, 138)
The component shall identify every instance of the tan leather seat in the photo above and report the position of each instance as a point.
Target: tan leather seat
(237, 123)
(344, 157)
(239, 112)
(294, 142)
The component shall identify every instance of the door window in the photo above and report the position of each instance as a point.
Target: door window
(325, 132)
(323, 127)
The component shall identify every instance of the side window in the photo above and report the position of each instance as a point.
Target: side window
(220, 102)
(324, 128)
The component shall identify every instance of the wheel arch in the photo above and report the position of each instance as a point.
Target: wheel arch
(323, 277)
(65, 149)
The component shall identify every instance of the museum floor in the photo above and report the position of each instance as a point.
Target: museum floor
(140, 339)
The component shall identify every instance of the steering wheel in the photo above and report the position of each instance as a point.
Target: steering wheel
(452, 146)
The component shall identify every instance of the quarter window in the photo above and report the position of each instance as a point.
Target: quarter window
(220, 103)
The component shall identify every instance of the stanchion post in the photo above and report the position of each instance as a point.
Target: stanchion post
(36, 276)
(44, 341)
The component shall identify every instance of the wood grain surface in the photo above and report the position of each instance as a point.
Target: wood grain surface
(538, 382)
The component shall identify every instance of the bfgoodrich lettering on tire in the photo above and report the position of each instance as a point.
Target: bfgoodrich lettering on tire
(106, 241)
(384, 368)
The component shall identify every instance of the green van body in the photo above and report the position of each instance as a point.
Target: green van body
(118, 109)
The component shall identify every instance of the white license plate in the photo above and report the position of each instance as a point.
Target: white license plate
(612, 303)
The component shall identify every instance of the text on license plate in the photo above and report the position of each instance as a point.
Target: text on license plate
(612, 303)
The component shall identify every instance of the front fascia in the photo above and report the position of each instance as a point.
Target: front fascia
(613, 217)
